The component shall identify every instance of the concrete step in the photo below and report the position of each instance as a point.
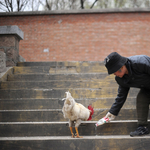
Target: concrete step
(58, 70)
(56, 84)
(121, 142)
(77, 93)
(62, 63)
(31, 115)
(57, 115)
(64, 77)
(56, 103)
(87, 128)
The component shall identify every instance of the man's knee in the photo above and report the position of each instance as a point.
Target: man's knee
(142, 97)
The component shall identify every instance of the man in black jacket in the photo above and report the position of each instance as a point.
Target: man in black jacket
(129, 72)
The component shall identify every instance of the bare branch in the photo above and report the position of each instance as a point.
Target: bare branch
(2, 4)
(47, 5)
(23, 5)
(93, 4)
(82, 4)
(6, 2)
(41, 3)
(11, 5)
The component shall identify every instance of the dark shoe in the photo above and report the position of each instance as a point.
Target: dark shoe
(140, 131)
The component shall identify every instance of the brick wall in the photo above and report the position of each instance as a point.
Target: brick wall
(81, 36)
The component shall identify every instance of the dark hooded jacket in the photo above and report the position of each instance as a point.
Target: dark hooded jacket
(138, 76)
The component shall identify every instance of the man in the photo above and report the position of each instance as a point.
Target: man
(133, 71)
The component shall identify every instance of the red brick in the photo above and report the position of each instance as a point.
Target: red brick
(82, 37)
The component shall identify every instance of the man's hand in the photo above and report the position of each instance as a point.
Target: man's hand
(110, 116)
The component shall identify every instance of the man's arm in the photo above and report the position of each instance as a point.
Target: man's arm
(120, 100)
(115, 108)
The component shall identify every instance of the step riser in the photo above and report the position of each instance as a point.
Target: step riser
(53, 93)
(27, 104)
(52, 70)
(33, 109)
(82, 144)
(62, 64)
(29, 116)
(70, 77)
(85, 129)
(55, 84)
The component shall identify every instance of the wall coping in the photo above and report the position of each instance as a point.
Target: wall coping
(11, 30)
(84, 11)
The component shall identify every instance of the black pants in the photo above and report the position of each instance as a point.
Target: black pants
(142, 107)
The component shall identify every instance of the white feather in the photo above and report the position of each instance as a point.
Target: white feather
(74, 111)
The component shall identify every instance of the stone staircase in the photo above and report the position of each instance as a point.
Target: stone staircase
(31, 116)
